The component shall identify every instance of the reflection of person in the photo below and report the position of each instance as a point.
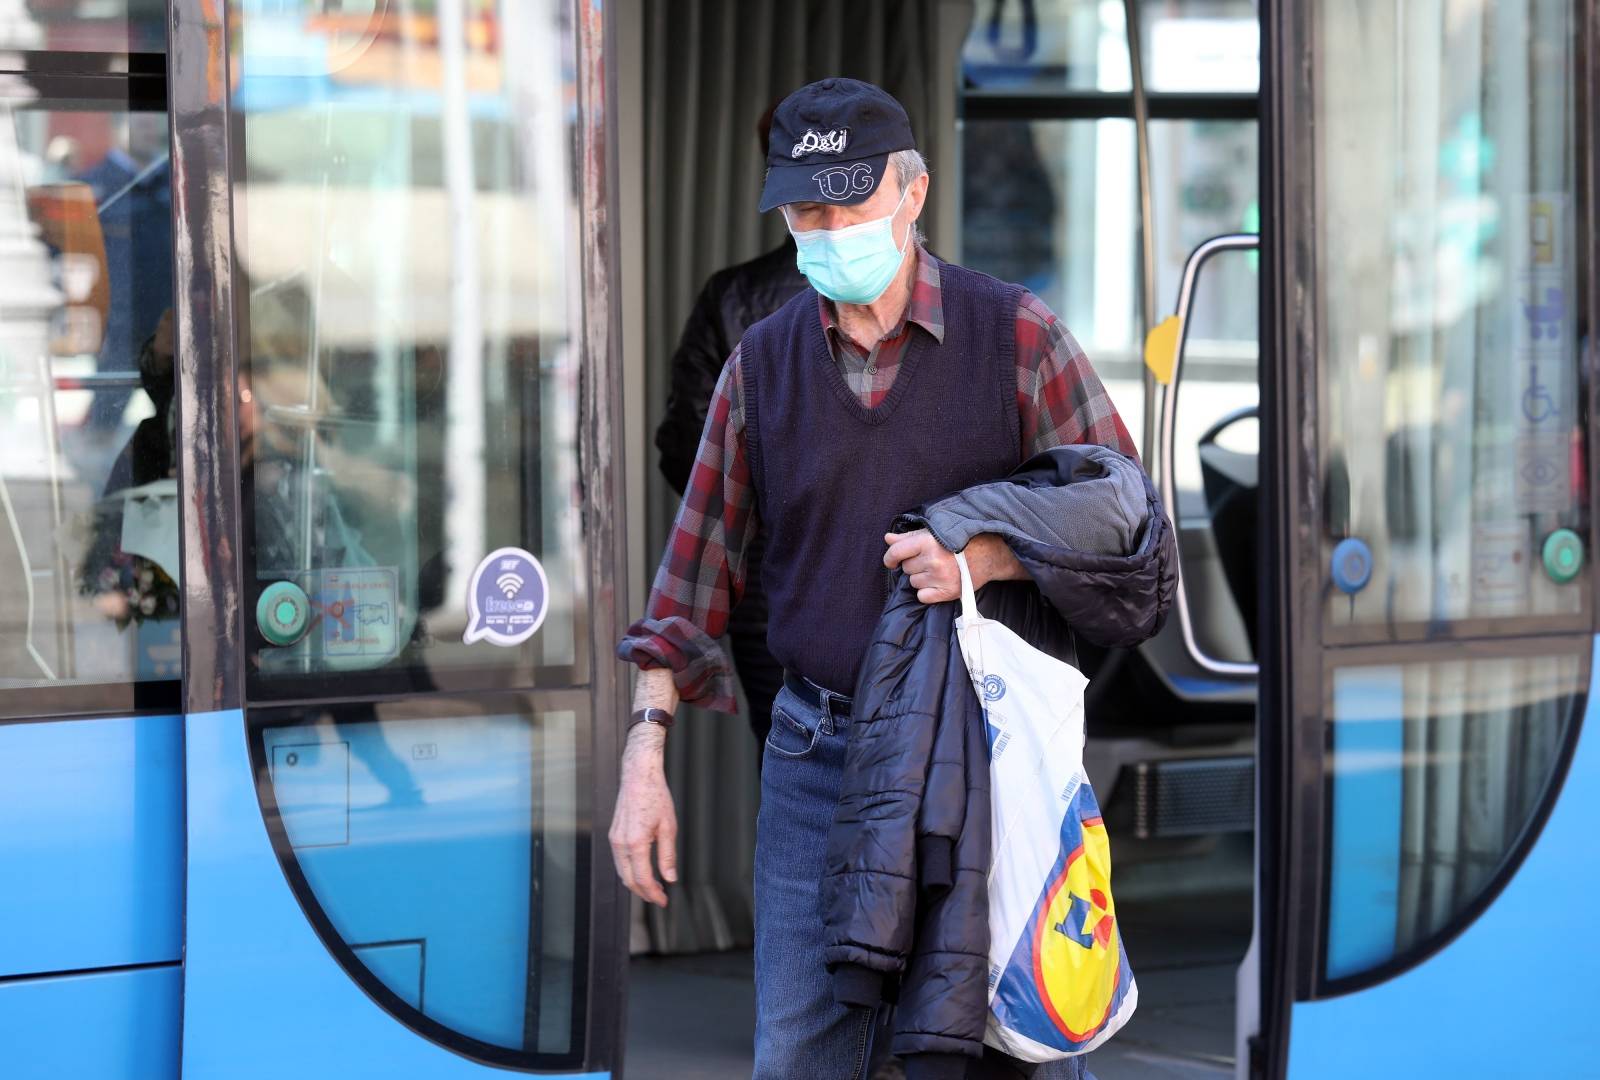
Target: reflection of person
(132, 191)
(130, 586)
(731, 301)
(894, 379)
(271, 451)
(321, 502)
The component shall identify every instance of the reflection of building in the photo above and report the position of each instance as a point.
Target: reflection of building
(28, 300)
(26, 305)
(17, 30)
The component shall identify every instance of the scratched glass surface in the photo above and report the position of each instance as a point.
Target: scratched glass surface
(407, 239)
(1452, 426)
(88, 493)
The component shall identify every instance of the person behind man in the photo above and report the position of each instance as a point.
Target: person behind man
(895, 378)
(733, 299)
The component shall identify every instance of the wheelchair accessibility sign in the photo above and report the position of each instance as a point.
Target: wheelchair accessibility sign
(507, 598)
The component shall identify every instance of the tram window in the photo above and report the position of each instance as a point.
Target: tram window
(1437, 770)
(1453, 419)
(1081, 45)
(438, 847)
(88, 500)
(407, 235)
(105, 26)
(1053, 205)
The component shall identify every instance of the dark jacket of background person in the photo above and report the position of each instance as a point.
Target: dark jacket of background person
(733, 300)
(905, 899)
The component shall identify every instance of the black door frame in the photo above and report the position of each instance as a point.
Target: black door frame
(205, 322)
(1291, 732)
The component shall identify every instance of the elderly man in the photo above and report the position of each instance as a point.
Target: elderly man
(893, 379)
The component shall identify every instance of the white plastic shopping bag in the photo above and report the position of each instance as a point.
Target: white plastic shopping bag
(1059, 980)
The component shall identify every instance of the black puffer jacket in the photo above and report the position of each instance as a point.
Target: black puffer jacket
(732, 300)
(905, 897)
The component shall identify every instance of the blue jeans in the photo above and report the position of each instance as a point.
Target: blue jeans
(800, 1030)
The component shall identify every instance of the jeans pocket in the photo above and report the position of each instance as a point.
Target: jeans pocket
(791, 736)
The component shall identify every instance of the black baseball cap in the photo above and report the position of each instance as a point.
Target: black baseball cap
(831, 142)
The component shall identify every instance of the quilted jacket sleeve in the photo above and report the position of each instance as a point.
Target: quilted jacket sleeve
(1111, 600)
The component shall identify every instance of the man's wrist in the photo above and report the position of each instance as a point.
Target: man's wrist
(994, 561)
(643, 738)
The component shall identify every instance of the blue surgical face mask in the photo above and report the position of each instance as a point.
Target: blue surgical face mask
(852, 265)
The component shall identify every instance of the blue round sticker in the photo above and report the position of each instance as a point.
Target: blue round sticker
(507, 598)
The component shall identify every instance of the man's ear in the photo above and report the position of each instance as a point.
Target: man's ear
(919, 195)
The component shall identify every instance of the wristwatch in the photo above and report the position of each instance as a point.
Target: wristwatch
(659, 717)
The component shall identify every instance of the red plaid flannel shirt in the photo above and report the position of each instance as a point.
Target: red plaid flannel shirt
(1060, 400)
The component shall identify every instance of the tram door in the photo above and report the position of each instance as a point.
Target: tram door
(393, 403)
(1426, 853)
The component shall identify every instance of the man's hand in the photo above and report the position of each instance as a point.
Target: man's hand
(933, 571)
(644, 817)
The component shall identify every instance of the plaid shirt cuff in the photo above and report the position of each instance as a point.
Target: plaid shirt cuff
(700, 669)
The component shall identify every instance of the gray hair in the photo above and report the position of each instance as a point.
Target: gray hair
(908, 165)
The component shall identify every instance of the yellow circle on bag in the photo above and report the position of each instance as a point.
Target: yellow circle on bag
(1075, 948)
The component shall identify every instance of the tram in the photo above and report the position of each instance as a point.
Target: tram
(331, 339)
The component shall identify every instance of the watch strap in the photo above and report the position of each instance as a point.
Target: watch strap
(660, 717)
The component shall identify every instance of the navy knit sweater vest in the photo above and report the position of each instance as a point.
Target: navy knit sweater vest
(830, 476)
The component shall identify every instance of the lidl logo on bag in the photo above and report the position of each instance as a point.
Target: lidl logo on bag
(994, 688)
(1068, 976)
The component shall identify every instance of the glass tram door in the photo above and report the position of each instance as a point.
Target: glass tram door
(399, 549)
(1426, 804)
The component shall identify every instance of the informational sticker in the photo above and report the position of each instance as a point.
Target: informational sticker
(1543, 337)
(507, 598)
(1499, 566)
(358, 609)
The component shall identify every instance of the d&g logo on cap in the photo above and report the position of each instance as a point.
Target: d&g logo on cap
(813, 143)
(842, 181)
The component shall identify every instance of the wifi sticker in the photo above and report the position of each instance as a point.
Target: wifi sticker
(507, 598)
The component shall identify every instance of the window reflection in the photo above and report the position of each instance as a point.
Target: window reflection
(443, 852)
(1436, 771)
(408, 218)
(1453, 415)
(114, 26)
(88, 500)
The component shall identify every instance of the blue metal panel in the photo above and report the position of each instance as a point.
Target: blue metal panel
(92, 813)
(1368, 747)
(1517, 983)
(108, 1025)
(262, 996)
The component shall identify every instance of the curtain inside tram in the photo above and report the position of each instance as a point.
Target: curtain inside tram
(712, 67)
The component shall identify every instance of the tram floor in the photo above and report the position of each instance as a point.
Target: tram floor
(691, 1017)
